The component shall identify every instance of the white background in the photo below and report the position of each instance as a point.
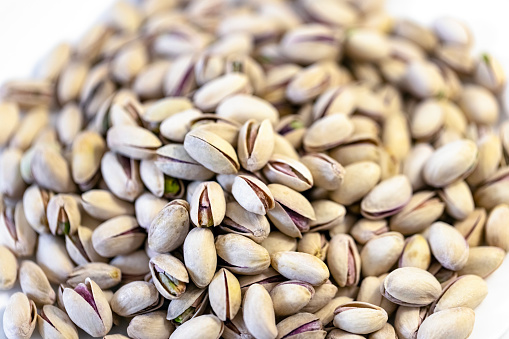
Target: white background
(29, 28)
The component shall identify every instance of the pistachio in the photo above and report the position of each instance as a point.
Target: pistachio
(327, 173)
(323, 295)
(359, 317)
(343, 260)
(104, 275)
(451, 323)
(364, 230)
(11, 180)
(210, 95)
(328, 215)
(169, 228)
(472, 227)
(252, 194)
(465, 291)
(132, 141)
(458, 199)
(287, 171)
(200, 256)
(206, 326)
(496, 233)
(299, 325)
(328, 132)
(300, 266)
(414, 163)
(259, 313)
(52, 257)
(241, 255)
(243, 107)
(63, 214)
(20, 316)
(326, 313)
(35, 284)
(51, 170)
(162, 109)
(87, 151)
(387, 198)
(53, 322)
(278, 242)
(255, 144)
(134, 298)
(208, 205)
(147, 207)
(290, 296)
(493, 192)
(314, 243)
(169, 275)
(190, 305)
(150, 325)
(416, 253)
(238, 220)
(122, 176)
(103, 205)
(8, 268)
(359, 179)
(224, 295)
(380, 253)
(119, 235)
(408, 320)
(483, 260)
(370, 291)
(134, 266)
(490, 155)
(448, 246)
(489, 73)
(16, 233)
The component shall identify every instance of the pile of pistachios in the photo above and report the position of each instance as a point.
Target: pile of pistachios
(244, 169)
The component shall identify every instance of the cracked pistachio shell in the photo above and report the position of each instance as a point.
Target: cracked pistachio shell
(224, 295)
(326, 313)
(284, 147)
(290, 297)
(299, 326)
(35, 284)
(103, 205)
(51, 170)
(241, 255)
(104, 275)
(206, 326)
(190, 305)
(212, 151)
(327, 173)
(176, 126)
(63, 214)
(381, 252)
(20, 317)
(210, 66)
(88, 308)
(117, 236)
(209, 96)
(87, 150)
(328, 132)
(359, 317)
(169, 228)
(10, 121)
(408, 320)
(413, 164)
(147, 207)
(490, 73)
(54, 323)
(387, 198)
(465, 291)
(258, 313)
(308, 83)
(340, 334)
(255, 144)
(134, 266)
(367, 45)
(8, 268)
(134, 298)
(52, 257)
(479, 105)
(343, 260)
(292, 127)
(163, 109)
(287, 171)
(323, 295)
(151, 325)
(369, 292)
(35, 201)
(411, 286)
(277, 242)
(448, 246)
(494, 191)
(208, 205)
(454, 323)
(483, 261)
(238, 220)
(28, 93)
(314, 243)
(328, 215)
(15, 232)
(360, 147)
(292, 213)
(359, 179)
(122, 176)
(169, 275)
(416, 253)
(200, 256)
(450, 162)
(236, 328)
(472, 228)
(252, 194)
(132, 141)
(243, 107)
(490, 155)
(495, 230)
(11, 180)
(300, 266)
(423, 208)
(458, 199)
(364, 230)
(222, 127)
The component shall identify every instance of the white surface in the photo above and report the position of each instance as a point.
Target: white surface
(29, 28)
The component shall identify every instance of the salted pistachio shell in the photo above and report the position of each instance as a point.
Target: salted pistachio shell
(465, 291)
(52, 257)
(190, 305)
(496, 232)
(238, 220)
(408, 320)
(326, 313)
(328, 132)
(147, 207)
(243, 107)
(277, 242)
(327, 173)
(212, 151)
(343, 260)
(208, 205)
(308, 83)
(483, 261)
(241, 255)
(29, 127)
(255, 144)
(16, 233)
(494, 191)
(176, 126)
(258, 313)
(367, 45)
(423, 79)
(170, 226)
(292, 212)
(224, 295)
(51, 170)
(35, 284)
(122, 176)
(287, 171)
(340, 334)
(134, 298)
(448, 246)
(416, 253)
(454, 323)
(472, 227)
(173, 160)
(458, 199)
(205, 326)
(370, 292)
(328, 214)
(103, 205)
(162, 109)
(11, 180)
(451, 162)
(290, 297)
(8, 268)
(169, 275)
(11, 117)
(490, 155)
(479, 105)
(323, 295)
(301, 325)
(200, 256)
(117, 236)
(359, 179)
(20, 317)
(411, 286)
(365, 229)
(63, 214)
(222, 127)
(314, 243)
(414, 162)
(489, 73)
(87, 150)
(148, 84)
(380, 253)
(252, 194)
(423, 208)
(132, 141)
(387, 198)
(88, 308)
(134, 266)
(300, 266)
(150, 325)
(209, 96)
(359, 317)
(104, 275)
(55, 323)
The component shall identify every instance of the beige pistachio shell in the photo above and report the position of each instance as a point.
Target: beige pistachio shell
(208, 205)
(323, 295)
(52, 257)
(458, 199)
(103, 205)
(224, 295)
(117, 236)
(448, 246)
(200, 256)
(359, 317)
(483, 260)
(423, 208)
(454, 323)
(315, 244)
(290, 297)
(137, 297)
(258, 313)
(35, 284)
(387, 198)
(205, 326)
(241, 254)
(150, 325)
(380, 253)
(359, 179)
(416, 253)
(300, 266)
(278, 242)
(55, 323)
(472, 227)
(20, 317)
(465, 291)
(326, 313)
(173, 160)
(301, 325)
(169, 275)
(252, 194)
(255, 144)
(496, 233)
(8, 268)
(327, 173)
(343, 260)
(287, 171)
(238, 220)
(169, 228)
